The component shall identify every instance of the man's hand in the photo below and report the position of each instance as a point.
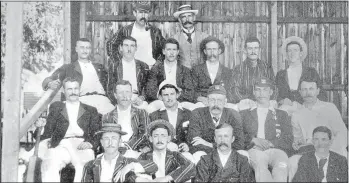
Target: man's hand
(262, 143)
(172, 147)
(138, 101)
(145, 149)
(198, 140)
(204, 100)
(245, 104)
(54, 84)
(41, 122)
(183, 147)
(122, 173)
(85, 145)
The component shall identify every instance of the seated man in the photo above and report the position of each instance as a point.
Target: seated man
(130, 69)
(69, 130)
(268, 135)
(177, 116)
(204, 120)
(91, 76)
(173, 72)
(322, 165)
(172, 166)
(111, 166)
(223, 164)
(133, 120)
(314, 113)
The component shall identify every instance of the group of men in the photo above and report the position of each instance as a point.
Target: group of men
(161, 113)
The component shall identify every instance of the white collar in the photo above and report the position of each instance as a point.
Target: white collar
(113, 161)
(179, 106)
(128, 62)
(189, 31)
(126, 110)
(255, 107)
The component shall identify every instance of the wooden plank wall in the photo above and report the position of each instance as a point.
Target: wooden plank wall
(327, 43)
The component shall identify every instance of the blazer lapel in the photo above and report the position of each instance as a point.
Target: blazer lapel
(97, 169)
(216, 159)
(138, 71)
(205, 71)
(163, 115)
(178, 74)
(64, 112)
(179, 118)
(168, 160)
(119, 70)
(133, 115)
(269, 127)
(120, 162)
(217, 80)
(77, 67)
(254, 121)
(80, 113)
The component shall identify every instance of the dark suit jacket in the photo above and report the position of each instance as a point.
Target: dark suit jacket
(201, 124)
(139, 122)
(182, 116)
(277, 128)
(176, 165)
(294, 95)
(210, 169)
(183, 81)
(73, 70)
(114, 43)
(58, 122)
(202, 81)
(115, 74)
(92, 169)
(337, 169)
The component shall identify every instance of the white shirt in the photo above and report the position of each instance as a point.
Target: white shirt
(294, 75)
(325, 166)
(159, 159)
(262, 116)
(90, 82)
(124, 119)
(107, 169)
(129, 73)
(212, 70)
(224, 157)
(219, 119)
(144, 45)
(73, 111)
(170, 72)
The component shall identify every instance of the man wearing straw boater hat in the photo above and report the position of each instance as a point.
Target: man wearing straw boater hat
(189, 37)
(149, 38)
(112, 166)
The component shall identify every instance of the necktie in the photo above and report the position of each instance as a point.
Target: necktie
(189, 37)
(322, 163)
(215, 120)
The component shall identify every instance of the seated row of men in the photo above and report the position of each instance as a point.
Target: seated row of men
(263, 131)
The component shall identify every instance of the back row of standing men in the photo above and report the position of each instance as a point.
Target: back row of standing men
(209, 95)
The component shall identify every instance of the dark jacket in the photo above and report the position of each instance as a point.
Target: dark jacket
(115, 74)
(139, 122)
(183, 81)
(277, 128)
(308, 171)
(210, 169)
(74, 70)
(58, 122)
(114, 43)
(182, 116)
(201, 124)
(176, 165)
(202, 80)
(92, 169)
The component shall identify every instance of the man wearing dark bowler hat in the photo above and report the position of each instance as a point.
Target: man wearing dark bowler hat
(149, 38)
(189, 37)
(112, 166)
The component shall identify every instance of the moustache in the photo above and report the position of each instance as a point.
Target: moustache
(188, 22)
(159, 143)
(212, 56)
(144, 19)
(111, 146)
(73, 95)
(222, 144)
(216, 107)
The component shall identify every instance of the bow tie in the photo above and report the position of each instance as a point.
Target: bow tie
(189, 36)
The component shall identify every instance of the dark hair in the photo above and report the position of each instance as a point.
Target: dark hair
(311, 77)
(83, 40)
(323, 129)
(294, 42)
(128, 38)
(170, 41)
(70, 79)
(168, 86)
(224, 125)
(122, 82)
(252, 39)
(159, 126)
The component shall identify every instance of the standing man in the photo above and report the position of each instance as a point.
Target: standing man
(223, 164)
(172, 166)
(268, 135)
(130, 69)
(322, 165)
(70, 128)
(91, 76)
(189, 38)
(246, 73)
(149, 38)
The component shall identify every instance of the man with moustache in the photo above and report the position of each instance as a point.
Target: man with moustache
(91, 76)
(68, 134)
(322, 165)
(131, 119)
(149, 38)
(189, 37)
(204, 120)
(130, 69)
(246, 73)
(223, 164)
(268, 135)
(111, 166)
(172, 166)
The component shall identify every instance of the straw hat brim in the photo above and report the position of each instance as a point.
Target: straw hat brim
(176, 14)
(295, 39)
(110, 130)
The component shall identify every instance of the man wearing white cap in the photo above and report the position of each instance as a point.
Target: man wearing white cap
(189, 37)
